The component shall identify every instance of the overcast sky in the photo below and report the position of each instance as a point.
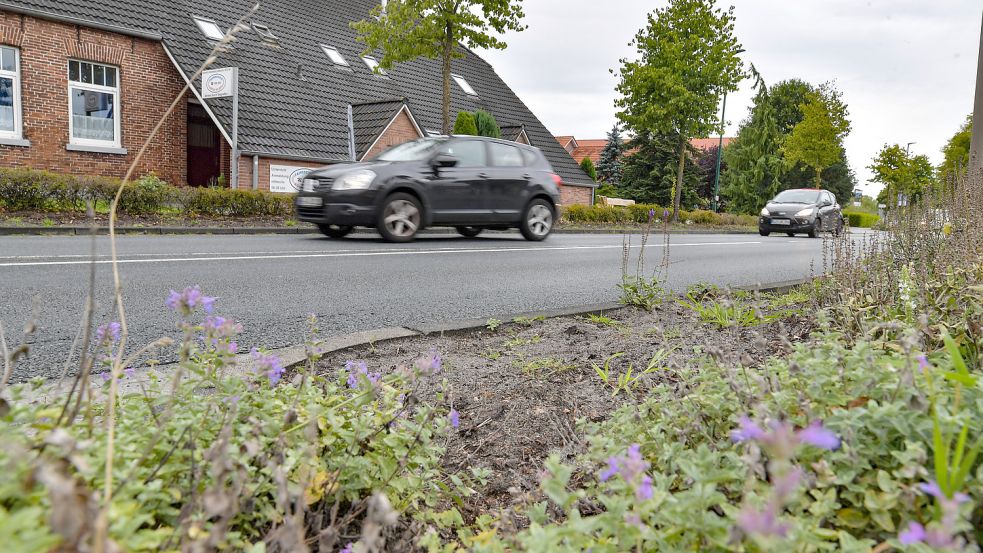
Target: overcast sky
(906, 67)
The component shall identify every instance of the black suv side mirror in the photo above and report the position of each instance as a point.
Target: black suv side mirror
(440, 161)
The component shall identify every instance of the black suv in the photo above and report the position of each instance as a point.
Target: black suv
(467, 182)
(801, 210)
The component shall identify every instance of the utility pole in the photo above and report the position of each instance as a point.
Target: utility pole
(976, 144)
(720, 150)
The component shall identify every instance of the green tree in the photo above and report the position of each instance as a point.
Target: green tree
(486, 124)
(610, 164)
(688, 58)
(817, 141)
(754, 163)
(650, 171)
(403, 30)
(465, 125)
(786, 98)
(956, 151)
(901, 173)
(588, 166)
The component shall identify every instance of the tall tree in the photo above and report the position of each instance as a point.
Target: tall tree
(754, 163)
(817, 141)
(650, 172)
(901, 173)
(956, 151)
(610, 165)
(403, 30)
(786, 98)
(688, 58)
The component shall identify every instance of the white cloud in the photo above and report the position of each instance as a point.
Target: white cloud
(906, 67)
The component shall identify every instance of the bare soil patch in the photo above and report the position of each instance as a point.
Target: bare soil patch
(521, 388)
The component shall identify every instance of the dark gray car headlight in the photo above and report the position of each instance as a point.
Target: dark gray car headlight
(806, 212)
(356, 180)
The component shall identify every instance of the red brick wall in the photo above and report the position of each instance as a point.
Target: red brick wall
(246, 170)
(401, 130)
(570, 195)
(148, 83)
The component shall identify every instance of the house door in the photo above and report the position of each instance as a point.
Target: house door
(204, 148)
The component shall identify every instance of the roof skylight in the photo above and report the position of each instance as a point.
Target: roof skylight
(373, 64)
(334, 55)
(464, 85)
(209, 28)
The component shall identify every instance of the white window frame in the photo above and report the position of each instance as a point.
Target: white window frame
(14, 75)
(328, 51)
(372, 64)
(116, 142)
(204, 25)
(464, 85)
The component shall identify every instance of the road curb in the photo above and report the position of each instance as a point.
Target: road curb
(85, 231)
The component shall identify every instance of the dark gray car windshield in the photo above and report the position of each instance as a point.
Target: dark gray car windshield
(797, 197)
(410, 151)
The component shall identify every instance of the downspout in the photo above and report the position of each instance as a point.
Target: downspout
(255, 172)
(351, 134)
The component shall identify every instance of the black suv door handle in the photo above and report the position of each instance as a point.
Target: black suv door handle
(527, 177)
(482, 175)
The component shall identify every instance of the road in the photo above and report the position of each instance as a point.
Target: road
(270, 283)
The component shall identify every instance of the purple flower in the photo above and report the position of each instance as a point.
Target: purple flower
(359, 368)
(347, 549)
(923, 362)
(435, 361)
(817, 435)
(269, 364)
(129, 372)
(665, 213)
(108, 334)
(761, 523)
(651, 214)
(630, 467)
(932, 488)
(748, 430)
(188, 299)
(915, 533)
(455, 418)
(106, 376)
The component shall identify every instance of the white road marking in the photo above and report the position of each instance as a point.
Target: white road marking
(352, 253)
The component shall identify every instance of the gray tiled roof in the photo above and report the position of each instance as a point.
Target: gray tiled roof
(293, 100)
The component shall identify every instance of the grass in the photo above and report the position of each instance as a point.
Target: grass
(546, 366)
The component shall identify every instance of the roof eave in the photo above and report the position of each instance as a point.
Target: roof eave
(41, 14)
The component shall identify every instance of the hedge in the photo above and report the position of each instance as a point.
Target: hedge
(639, 213)
(859, 219)
(30, 190)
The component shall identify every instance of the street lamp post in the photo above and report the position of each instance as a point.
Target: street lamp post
(976, 142)
(720, 149)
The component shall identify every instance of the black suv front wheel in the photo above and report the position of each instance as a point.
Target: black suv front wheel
(400, 218)
(537, 220)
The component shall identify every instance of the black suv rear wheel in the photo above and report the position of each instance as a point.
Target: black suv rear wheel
(400, 218)
(537, 220)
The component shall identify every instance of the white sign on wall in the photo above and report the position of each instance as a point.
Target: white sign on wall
(218, 83)
(287, 179)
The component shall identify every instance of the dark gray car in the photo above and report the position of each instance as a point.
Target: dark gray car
(801, 211)
(466, 182)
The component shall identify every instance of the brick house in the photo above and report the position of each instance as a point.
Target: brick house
(592, 148)
(84, 82)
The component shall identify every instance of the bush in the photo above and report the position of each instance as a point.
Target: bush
(640, 213)
(587, 164)
(465, 125)
(860, 219)
(30, 190)
(486, 125)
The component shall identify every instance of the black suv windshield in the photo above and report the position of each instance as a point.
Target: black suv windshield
(410, 151)
(797, 197)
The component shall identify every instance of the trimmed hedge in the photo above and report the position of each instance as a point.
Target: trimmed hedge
(859, 219)
(30, 190)
(639, 213)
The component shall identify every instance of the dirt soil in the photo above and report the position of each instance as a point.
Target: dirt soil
(521, 388)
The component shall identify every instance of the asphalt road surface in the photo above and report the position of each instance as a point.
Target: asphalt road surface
(270, 283)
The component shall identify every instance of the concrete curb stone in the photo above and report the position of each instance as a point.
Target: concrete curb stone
(84, 231)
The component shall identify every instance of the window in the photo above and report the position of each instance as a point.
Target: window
(210, 29)
(503, 155)
(334, 55)
(469, 153)
(528, 156)
(265, 33)
(464, 85)
(373, 64)
(93, 93)
(10, 117)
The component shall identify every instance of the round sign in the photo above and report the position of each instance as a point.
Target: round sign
(215, 83)
(297, 178)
